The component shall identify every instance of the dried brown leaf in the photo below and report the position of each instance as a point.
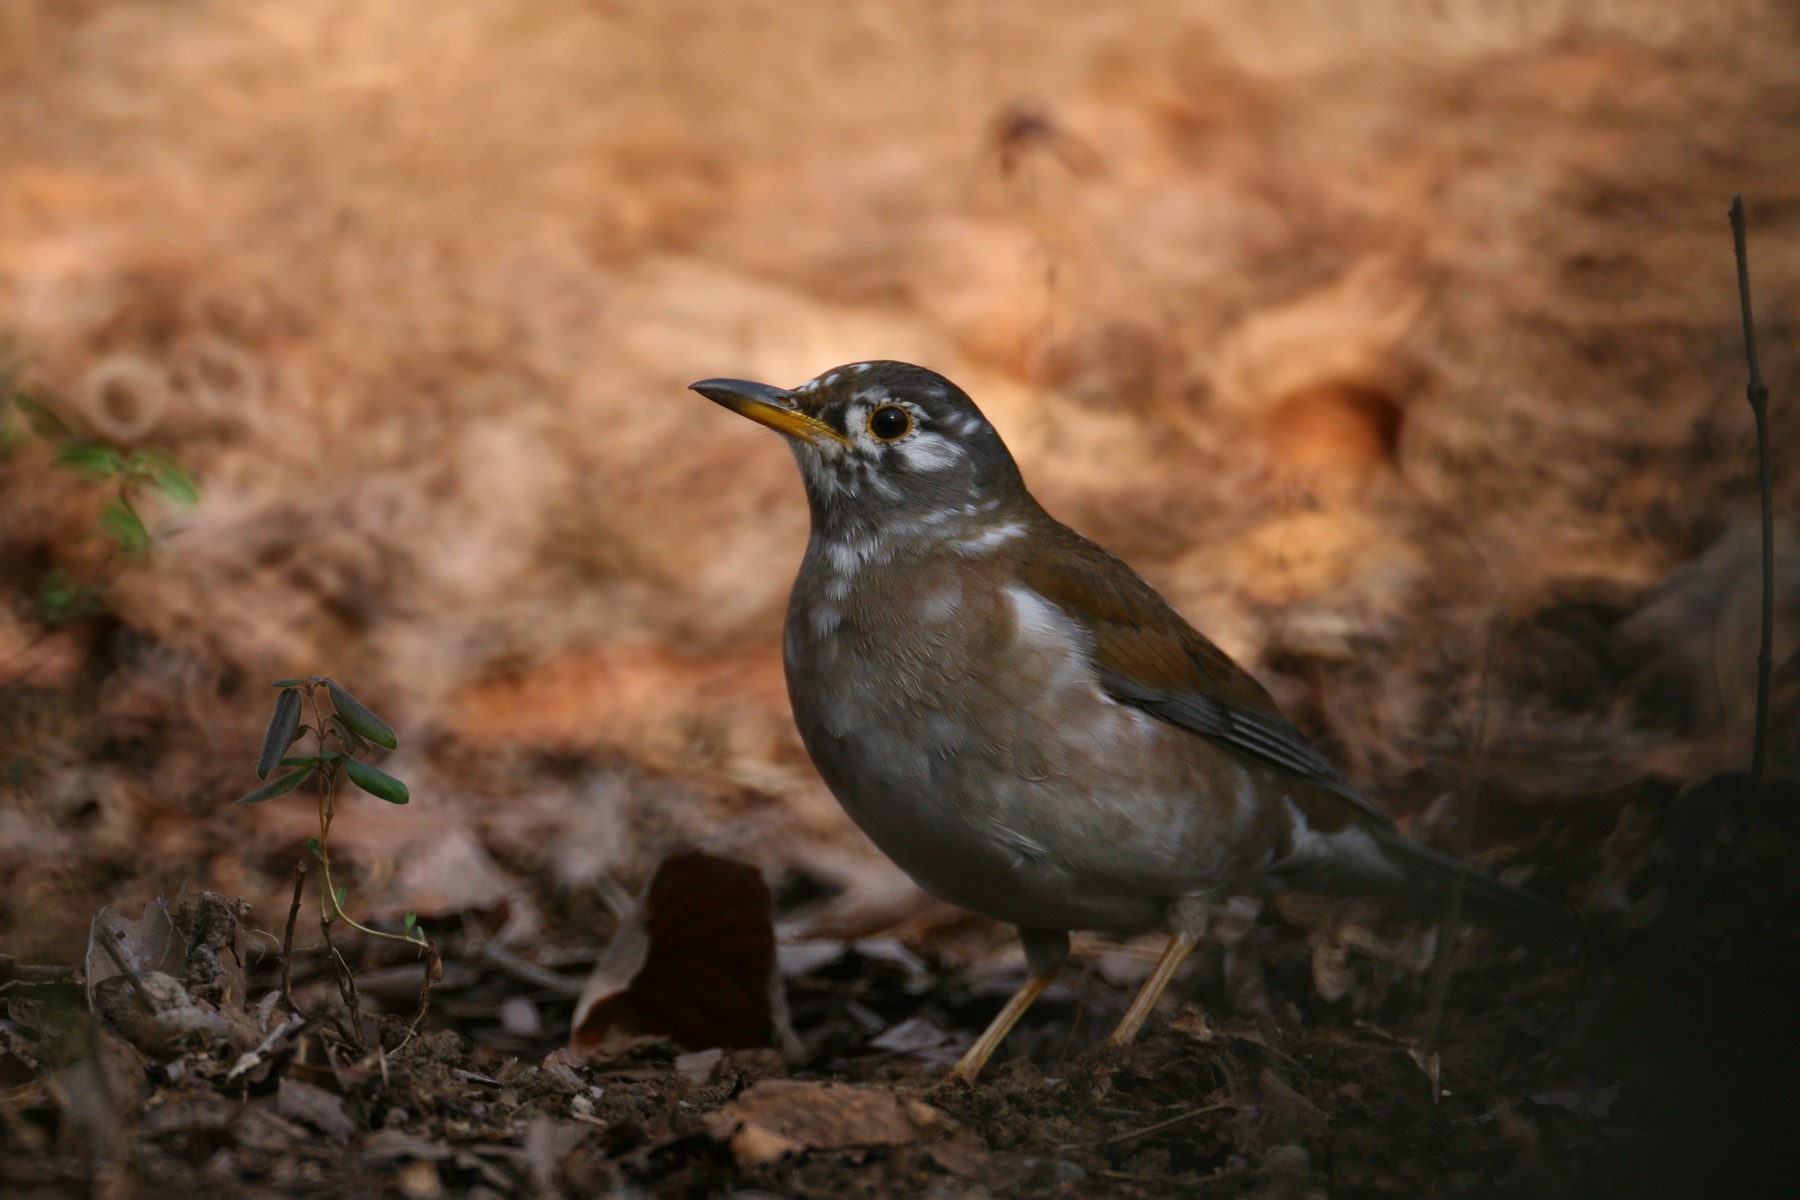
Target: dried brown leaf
(694, 962)
(783, 1117)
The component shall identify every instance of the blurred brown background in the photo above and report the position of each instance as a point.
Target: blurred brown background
(1397, 343)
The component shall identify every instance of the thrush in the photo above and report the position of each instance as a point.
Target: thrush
(1023, 724)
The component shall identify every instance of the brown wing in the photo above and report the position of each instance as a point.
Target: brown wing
(1150, 658)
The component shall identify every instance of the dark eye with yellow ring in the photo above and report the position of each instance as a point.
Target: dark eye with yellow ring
(890, 421)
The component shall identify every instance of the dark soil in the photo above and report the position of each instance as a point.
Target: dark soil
(1659, 1063)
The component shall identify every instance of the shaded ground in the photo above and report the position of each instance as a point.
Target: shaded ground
(1660, 1065)
(1396, 344)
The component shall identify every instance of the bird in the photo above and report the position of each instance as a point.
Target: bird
(1024, 725)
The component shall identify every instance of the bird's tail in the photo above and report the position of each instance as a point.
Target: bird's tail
(1436, 877)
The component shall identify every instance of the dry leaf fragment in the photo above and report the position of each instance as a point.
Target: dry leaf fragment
(1427, 1061)
(1286, 1112)
(961, 1155)
(912, 1035)
(1192, 1022)
(280, 1041)
(693, 962)
(1597, 1103)
(780, 1117)
(389, 1145)
(316, 1107)
(700, 1066)
(1331, 971)
(151, 942)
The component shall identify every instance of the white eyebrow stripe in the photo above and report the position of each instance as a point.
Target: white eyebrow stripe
(930, 452)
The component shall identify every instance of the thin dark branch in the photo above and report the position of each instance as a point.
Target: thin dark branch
(434, 970)
(1450, 926)
(1132, 1135)
(345, 980)
(106, 943)
(525, 972)
(287, 942)
(1758, 393)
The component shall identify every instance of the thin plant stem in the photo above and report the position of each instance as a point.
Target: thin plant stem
(329, 907)
(1758, 394)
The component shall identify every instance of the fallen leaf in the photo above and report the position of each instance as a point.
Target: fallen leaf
(1331, 971)
(547, 1147)
(780, 1117)
(803, 958)
(701, 1066)
(419, 1180)
(1427, 1061)
(151, 942)
(1192, 1022)
(279, 1042)
(155, 1013)
(693, 962)
(316, 1107)
(1597, 1103)
(387, 1145)
(909, 1036)
(451, 873)
(1288, 1114)
(960, 1155)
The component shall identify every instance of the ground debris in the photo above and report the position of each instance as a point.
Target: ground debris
(786, 1117)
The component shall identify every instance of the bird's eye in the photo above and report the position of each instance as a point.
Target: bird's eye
(890, 421)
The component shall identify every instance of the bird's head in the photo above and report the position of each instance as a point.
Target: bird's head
(889, 447)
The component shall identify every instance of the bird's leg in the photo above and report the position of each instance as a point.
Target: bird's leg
(1187, 919)
(1045, 952)
(969, 1066)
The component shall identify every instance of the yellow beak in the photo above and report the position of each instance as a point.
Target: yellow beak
(767, 406)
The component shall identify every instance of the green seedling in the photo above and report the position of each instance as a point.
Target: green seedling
(131, 474)
(61, 601)
(342, 730)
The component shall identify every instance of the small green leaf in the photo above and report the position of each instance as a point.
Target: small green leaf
(339, 896)
(284, 726)
(311, 760)
(280, 683)
(43, 420)
(379, 784)
(361, 720)
(313, 848)
(411, 923)
(160, 470)
(61, 600)
(95, 460)
(353, 740)
(120, 522)
(280, 787)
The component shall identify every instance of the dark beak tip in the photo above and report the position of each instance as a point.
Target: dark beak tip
(722, 390)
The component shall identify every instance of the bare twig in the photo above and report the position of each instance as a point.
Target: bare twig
(1133, 1135)
(1758, 394)
(287, 942)
(106, 942)
(277, 1037)
(1439, 978)
(346, 984)
(527, 972)
(434, 971)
